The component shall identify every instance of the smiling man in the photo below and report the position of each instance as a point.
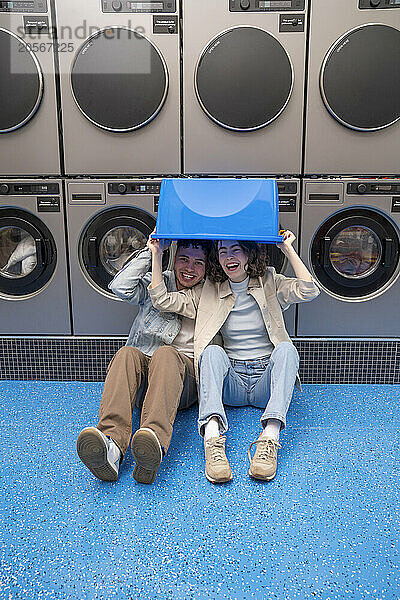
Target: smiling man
(154, 371)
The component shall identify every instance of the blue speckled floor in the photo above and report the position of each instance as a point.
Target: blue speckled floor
(327, 527)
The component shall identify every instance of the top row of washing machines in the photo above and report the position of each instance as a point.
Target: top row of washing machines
(214, 87)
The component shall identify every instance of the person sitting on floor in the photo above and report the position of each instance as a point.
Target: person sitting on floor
(154, 371)
(242, 299)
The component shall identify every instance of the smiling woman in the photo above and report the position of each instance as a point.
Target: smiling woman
(235, 260)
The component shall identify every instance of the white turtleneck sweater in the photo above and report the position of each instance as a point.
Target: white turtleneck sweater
(244, 333)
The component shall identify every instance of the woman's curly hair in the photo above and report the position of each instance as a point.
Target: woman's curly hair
(257, 261)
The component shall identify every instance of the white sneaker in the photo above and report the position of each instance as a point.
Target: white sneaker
(148, 454)
(99, 453)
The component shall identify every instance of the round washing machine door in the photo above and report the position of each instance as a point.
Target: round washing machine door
(244, 79)
(110, 240)
(360, 78)
(21, 82)
(119, 79)
(28, 254)
(355, 254)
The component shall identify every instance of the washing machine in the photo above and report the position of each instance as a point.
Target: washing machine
(108, 221)
(353, 98)
(350, 238)
(120, 86)
(29, 144)
(243, 70)
(34, 290)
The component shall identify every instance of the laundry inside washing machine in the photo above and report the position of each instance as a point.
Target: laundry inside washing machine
(34, 290)
(109, 222)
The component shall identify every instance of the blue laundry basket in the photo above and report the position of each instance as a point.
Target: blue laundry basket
(223, 209)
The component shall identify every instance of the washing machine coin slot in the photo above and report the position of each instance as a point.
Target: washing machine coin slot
(87, 199)
(317, 198)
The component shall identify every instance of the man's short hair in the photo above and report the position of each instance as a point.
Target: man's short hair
(204, 245)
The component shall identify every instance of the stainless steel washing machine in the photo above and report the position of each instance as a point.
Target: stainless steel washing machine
(29, 142)
(243, 65)
(108, 222)
(353, 99)
(34, 292)
(350, 237)
(120, 86)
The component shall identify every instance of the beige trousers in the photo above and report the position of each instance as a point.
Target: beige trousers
(159, 385)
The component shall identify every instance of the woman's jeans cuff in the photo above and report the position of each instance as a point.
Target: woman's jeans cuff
(266, 416)
(222, 422)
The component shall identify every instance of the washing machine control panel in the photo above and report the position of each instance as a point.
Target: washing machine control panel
(28, 189)
(265, 5)
(24, 6)
(373, 189)
(131, 6)
(134, 187)
(370, 4)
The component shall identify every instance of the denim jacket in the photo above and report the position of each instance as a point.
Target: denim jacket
(151, 328)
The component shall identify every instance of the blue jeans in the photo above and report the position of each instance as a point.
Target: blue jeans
(262, 382)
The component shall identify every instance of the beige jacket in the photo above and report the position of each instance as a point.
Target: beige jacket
(211, 304)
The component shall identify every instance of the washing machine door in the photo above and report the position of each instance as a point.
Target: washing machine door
(110, 240)
(360, 78)
(244, 79)
(21, 82)
(119, 79)
(355, 253)
(28, 254)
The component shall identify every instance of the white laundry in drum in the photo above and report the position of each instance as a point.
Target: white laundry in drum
(23, 259)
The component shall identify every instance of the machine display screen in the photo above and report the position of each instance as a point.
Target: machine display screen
(16, 4)
(275, 4)
(146, 5)
(381, 188)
